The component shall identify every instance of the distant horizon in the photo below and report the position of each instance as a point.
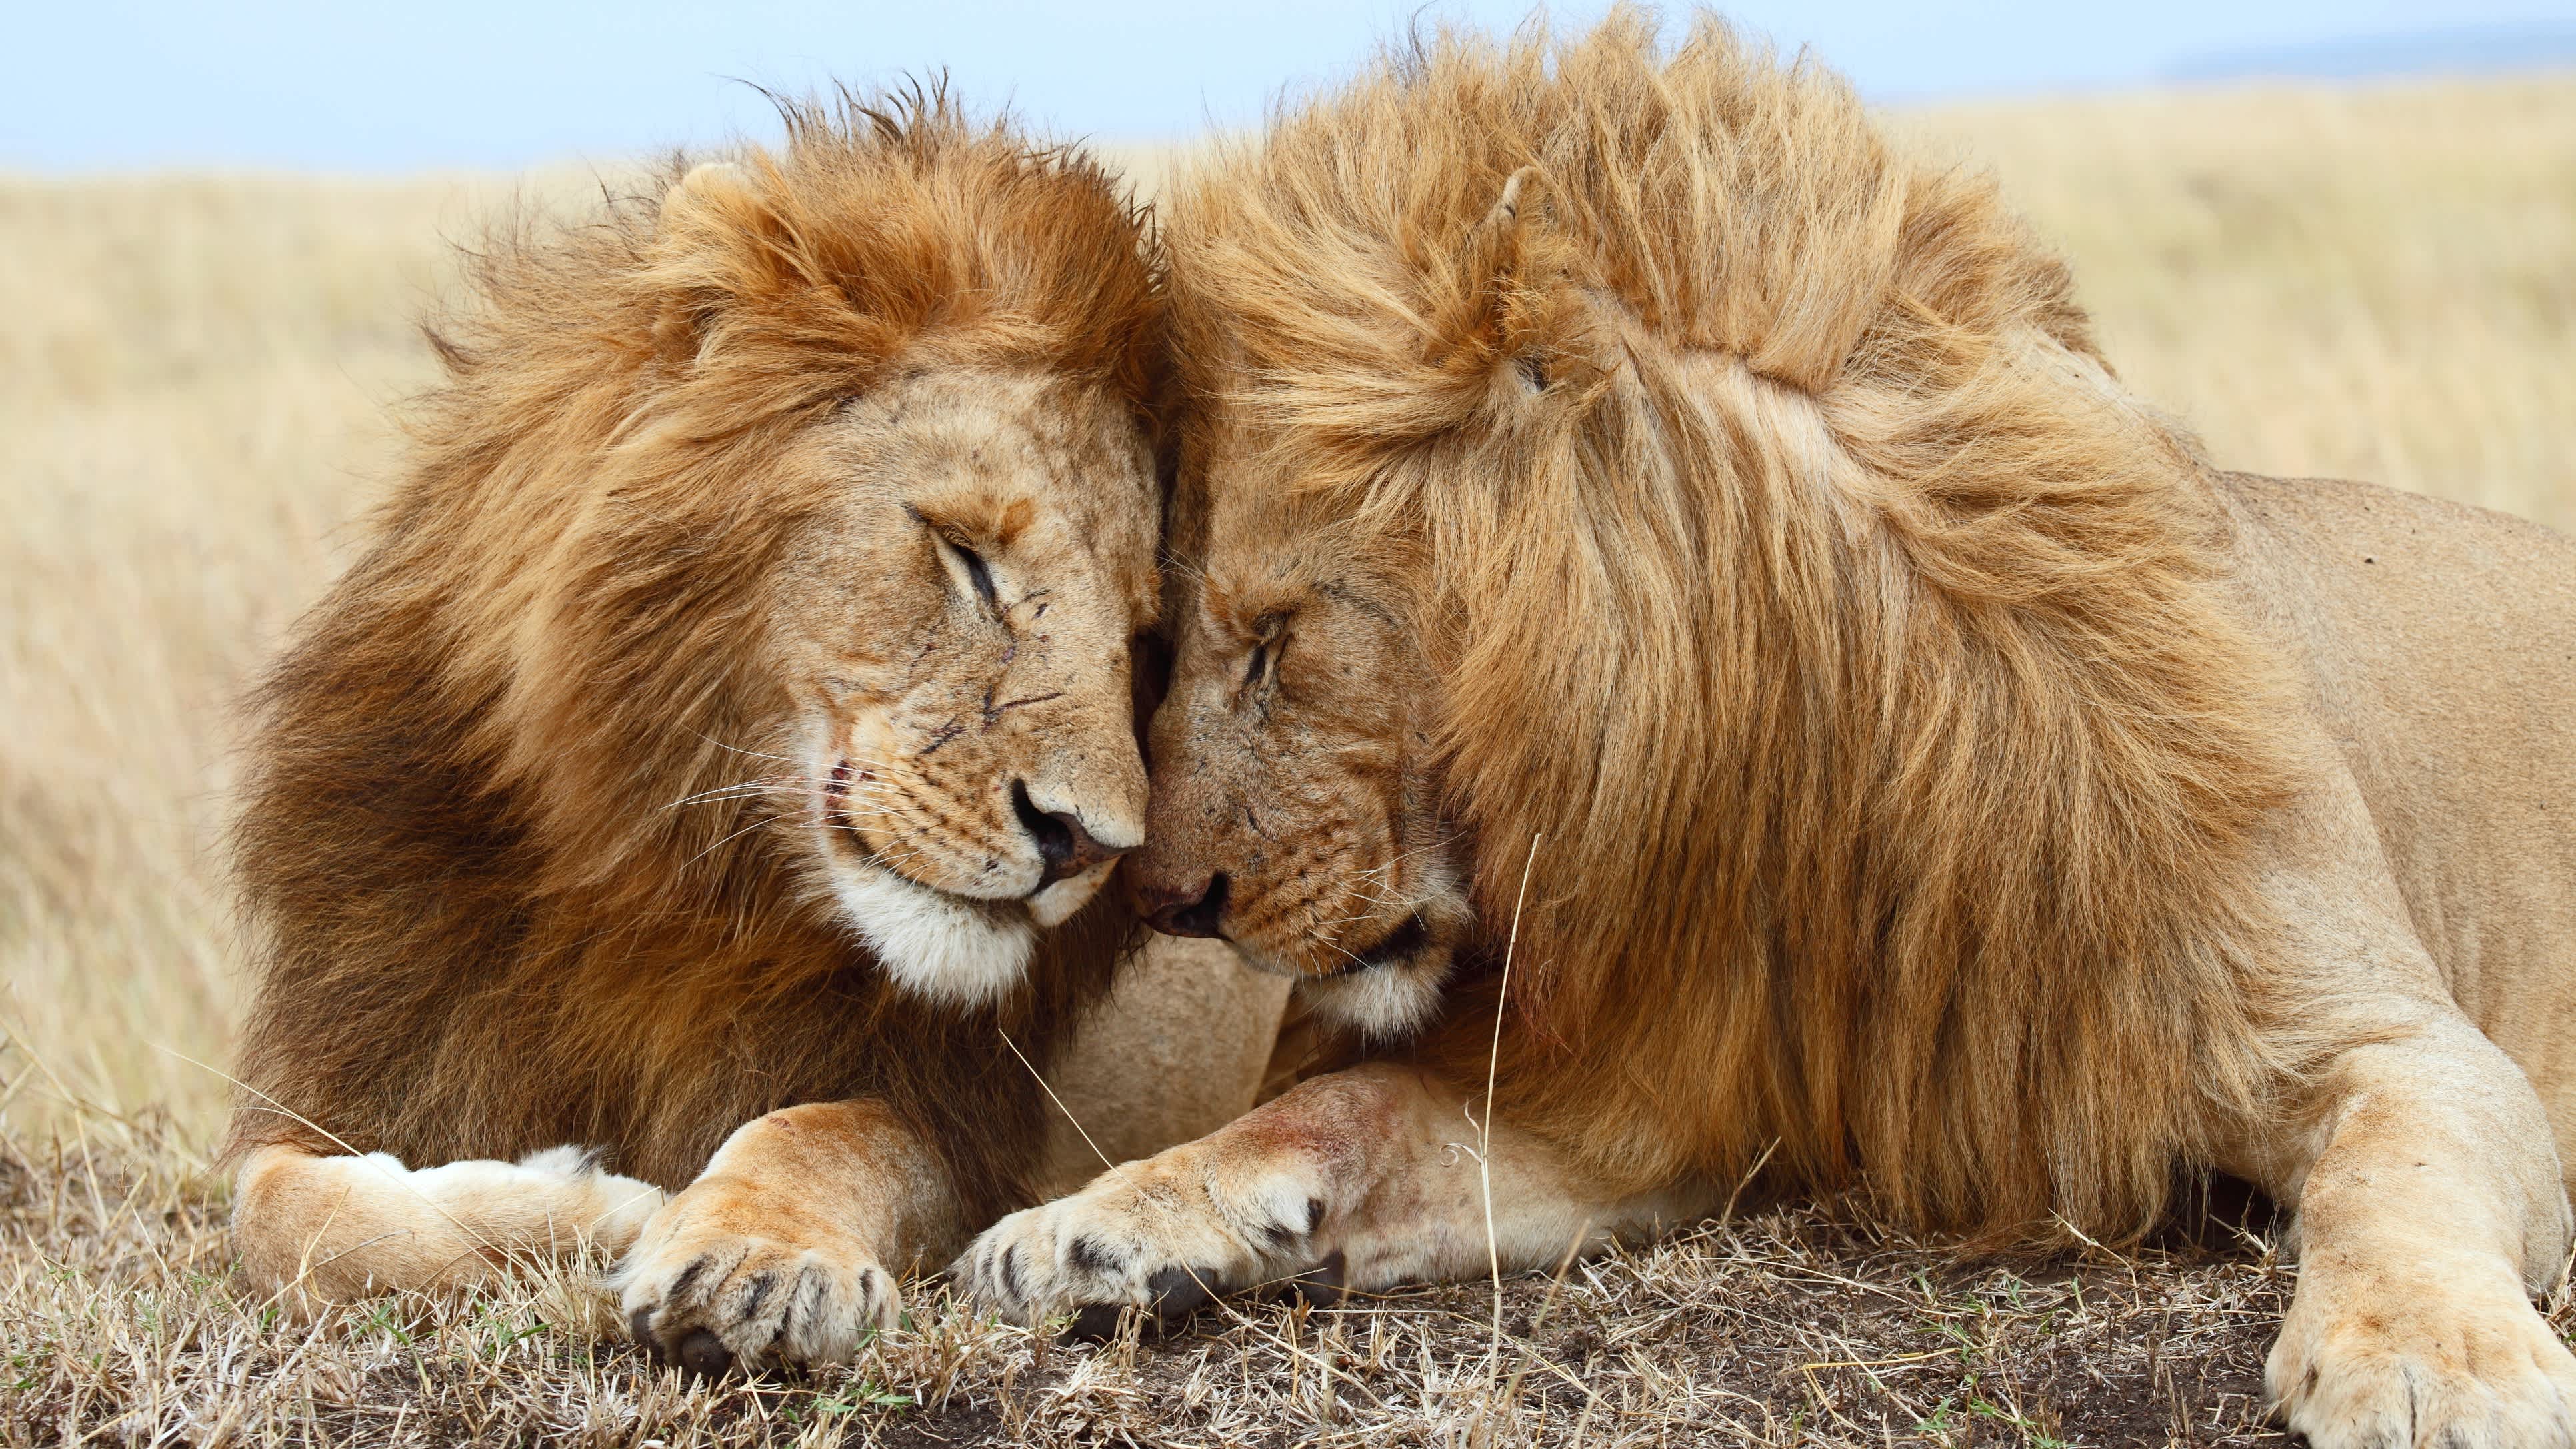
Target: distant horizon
(126, 86)
(2444, 50)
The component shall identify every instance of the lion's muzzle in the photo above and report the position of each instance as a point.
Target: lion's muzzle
(1065, 848)
(1181, 906)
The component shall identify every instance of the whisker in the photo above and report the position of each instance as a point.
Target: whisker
(755, 754)
(1402, 856)
(728, 839)
(738, 790)
(1319, 940)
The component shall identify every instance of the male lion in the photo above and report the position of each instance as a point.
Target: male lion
(1619, 477)
(732, 717)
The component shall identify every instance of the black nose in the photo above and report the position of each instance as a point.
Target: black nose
(1188, 911)
(1064, 847)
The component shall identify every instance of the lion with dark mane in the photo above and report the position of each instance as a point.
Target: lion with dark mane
(1681, 621)
(709, 770)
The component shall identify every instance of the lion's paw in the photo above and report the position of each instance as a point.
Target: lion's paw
(2458, 1368)
(1156, 1236)
(722, 1276)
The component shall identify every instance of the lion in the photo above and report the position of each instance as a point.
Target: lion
(681, 833)
(1688, 652)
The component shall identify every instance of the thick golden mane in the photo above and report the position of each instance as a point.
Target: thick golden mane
(615, 373)
(486, 928)
(1795, 568)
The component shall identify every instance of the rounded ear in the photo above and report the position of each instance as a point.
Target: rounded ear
(1494, 247)
(712, 194)
(1495, 252)
(1507, 211)
(697, 264)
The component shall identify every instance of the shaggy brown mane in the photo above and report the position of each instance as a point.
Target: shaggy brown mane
(1793, 565)
(486, 928)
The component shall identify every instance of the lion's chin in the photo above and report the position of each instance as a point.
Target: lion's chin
(949, 949)
(1383, 1002)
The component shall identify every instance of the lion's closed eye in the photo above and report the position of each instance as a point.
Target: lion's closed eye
(964, 562)
(1270, 637)
(978, 573)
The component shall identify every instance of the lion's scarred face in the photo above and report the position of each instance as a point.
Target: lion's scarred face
(954, 634)
(1302, 808)
(1296, 801)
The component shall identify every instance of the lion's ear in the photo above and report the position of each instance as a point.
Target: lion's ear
(1497, 254)
(697, 260)
(711, 196)
(1505, 218)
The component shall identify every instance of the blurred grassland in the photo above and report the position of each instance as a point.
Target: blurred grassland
(199, 380)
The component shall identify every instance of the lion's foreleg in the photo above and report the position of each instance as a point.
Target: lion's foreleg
(313, 1229)
(2421, 1168)
(1361, 1179)
(787, 1247)
(2430, 1209)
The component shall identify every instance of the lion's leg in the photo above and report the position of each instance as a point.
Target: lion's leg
(315, 1229)
(2429, 1211)
(1361, 1179)
(785, 1249)
(2423, 1174)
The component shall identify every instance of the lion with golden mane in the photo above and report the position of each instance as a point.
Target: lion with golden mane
(710, 770)
(1681, 617)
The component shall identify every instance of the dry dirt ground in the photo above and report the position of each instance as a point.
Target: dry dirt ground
(1785, 1325)
(199, 383)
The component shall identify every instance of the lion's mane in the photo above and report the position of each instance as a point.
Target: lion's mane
(1794, 567)
(484, 928)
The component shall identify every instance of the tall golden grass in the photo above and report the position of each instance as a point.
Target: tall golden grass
(200, 379)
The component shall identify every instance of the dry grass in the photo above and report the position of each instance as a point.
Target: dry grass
(195, 383)
(2365, 283)
(1794, 1325)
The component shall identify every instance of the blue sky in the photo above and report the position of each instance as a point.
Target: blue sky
(356, 86)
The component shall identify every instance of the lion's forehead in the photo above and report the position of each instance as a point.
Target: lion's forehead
(1267, 550)
(1058, 473)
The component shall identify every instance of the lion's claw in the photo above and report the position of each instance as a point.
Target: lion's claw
(1323, 1285)
(703, 1291)
(1161, 1236)
(704, 1354)
(2449, 1366)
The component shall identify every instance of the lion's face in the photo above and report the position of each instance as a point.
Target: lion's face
(807, 520)
(1295, 803)
(953, 633)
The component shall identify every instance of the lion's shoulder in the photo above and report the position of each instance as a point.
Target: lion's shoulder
(2436, 643)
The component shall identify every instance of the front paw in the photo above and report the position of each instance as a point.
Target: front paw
(727, 1274)
(2460, 1361)
(1164, 1236)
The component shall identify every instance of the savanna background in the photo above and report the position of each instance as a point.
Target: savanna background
(201, 383)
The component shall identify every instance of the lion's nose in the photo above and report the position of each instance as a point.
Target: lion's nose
(1064, 847)
(1193, 908)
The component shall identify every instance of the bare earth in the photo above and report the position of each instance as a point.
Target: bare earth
(199, 379)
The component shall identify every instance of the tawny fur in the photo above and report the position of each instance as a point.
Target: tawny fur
(1784, 555)
(488, 927)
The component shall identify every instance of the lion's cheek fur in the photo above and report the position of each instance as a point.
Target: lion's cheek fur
(1385, 1003)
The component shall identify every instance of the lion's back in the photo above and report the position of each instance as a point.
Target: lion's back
(2438, 644)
